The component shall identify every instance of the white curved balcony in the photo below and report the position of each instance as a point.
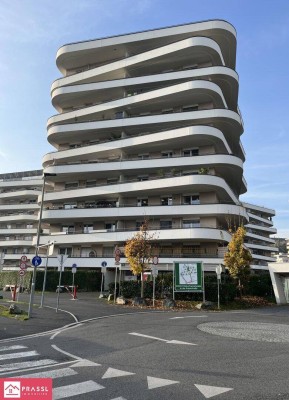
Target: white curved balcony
(77, 96)
(175, 184)
(153, 60)
(81, 214)
(266, 222)
(107, 49)
(174, 96)
(262, 247)
(18, 206)
(261, 228)
(102, 236)
(227, 121)
(27, 193)
(19, 183)
(262, 258)
(197, 135)
(15, 231)
(259, 237)
(15, 243)
(18, 256)
(18, 218)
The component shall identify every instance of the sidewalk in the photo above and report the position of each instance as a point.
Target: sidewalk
(88, 305)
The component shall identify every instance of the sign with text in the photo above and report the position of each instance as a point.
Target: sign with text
(188, 276)
(26, 388)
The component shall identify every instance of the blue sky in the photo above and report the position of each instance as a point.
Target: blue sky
(31, 32)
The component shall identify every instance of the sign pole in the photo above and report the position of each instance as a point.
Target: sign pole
(174, 282)
(115, 279)
(59, 282)
(44, 278)
(203, 273)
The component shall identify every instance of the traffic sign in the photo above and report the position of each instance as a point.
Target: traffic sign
(117, 252)
(36, 261)
(74, 269)
(23, 265)
(103, 270)
(104, 264)
(24, 258)
(155, 272)
(117, 259)
(155, 260)
(22, 272)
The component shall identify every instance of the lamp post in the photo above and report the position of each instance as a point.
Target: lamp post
(37, 244)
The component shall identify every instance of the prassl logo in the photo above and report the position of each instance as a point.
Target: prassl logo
(12, 389)
(26, 389)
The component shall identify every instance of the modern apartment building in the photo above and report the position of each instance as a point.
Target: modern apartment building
(148, 127)
(258, 240)
(19, 208)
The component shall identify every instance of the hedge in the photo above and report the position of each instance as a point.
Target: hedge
(86, 280)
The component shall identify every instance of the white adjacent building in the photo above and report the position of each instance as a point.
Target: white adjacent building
(19, 210)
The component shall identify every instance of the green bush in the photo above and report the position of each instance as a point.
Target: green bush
(85, 280)
(259, 285)
(12, 278)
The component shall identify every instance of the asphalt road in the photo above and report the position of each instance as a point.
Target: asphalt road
(164, 355)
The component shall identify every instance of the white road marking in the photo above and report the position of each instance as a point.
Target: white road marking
(15, 347)
(27, 364)
(68, 312)
(65, 329)
(162, 340)
(119, 398)
(154, 383)
(18, 355)
(76, 389)
(115, 373)
(211, 391)
(54, 373)
(191, 316)
(66, 353)
(85, 363)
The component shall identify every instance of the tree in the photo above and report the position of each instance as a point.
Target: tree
(237, 259)
(138, 252)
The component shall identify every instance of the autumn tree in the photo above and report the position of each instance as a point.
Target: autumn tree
(237, 259)
(138, 252)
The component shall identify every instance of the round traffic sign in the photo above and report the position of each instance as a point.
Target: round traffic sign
(36, 261)
(104, 264)
(74, 265)
(22, 272)
(23, 265)
(24, 258)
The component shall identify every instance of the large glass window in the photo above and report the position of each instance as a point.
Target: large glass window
(191, 152)
(192, 199)
(65, 251)
(165, 224)
(191, 223)
(167, 201)
(142, 202)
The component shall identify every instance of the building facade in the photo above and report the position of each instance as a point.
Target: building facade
(148, 127)
(19, 210)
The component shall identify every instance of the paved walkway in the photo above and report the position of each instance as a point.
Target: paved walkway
(44, 319)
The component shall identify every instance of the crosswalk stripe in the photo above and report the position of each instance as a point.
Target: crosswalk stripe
(26, 364)
(54, 373)
(18, 355)
(16, 347)
(76, 389)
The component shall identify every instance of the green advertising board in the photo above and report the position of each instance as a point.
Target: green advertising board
(188, 276)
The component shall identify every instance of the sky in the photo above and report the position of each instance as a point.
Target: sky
(31, 31)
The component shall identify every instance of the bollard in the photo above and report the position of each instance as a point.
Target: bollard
(14, 293)
(74, 292)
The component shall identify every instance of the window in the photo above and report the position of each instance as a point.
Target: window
(111, 181)
(71, 185)
(191, 152)
(9, 226)
(193, 199)
(119, 114)
(25, 250)
(167, 154)
(74, 145)
(87, 228)
(165, 224)
(142, 202)
(108, 251)
(111, 226)
(166, 201)
(168, 111)
(90, 183)
(29, 226)
(68, 229)
(66, 251)
(191, 223)
(138, 225)
(15, 250)
(28, 238)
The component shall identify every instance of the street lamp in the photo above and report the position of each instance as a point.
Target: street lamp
(45, 174)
